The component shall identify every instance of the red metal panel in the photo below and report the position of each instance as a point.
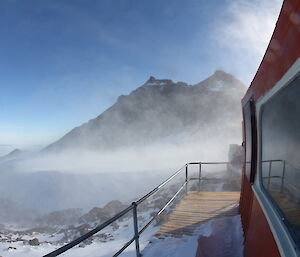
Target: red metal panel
(259, 240)
(246, 203)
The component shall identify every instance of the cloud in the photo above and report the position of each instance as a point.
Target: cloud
(242, 35)
(250, 25)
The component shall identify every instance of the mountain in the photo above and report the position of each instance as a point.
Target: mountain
(158, 110)
(12, 155)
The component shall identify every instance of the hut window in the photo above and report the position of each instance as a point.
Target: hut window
(280, 149)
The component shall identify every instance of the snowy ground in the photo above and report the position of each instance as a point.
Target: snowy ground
(101, 247)
(107, 242)
(151, 246)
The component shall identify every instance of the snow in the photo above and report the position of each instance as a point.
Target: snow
(229, 229)
(150, 246)
(177, 247)
(156, 83)
(225, 240)
(99, 248)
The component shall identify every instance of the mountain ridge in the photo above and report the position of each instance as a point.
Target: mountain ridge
(156, 109)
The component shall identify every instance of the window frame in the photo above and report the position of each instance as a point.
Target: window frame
(250, 104)
(281, 233)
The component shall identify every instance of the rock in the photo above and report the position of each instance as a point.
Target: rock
(62, 217)
(102, 214)
(95, 215)
(11, 248)
(34, 242)
(114, 207)
(83, 229)
(115, 225)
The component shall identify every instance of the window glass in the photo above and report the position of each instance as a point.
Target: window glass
(280, 144)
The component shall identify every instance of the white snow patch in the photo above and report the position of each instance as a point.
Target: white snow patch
(177, 247)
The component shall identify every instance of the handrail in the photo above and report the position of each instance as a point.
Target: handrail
(160, 186)
(208, 162)
(283, 179)
(133, 207)
(286, 161)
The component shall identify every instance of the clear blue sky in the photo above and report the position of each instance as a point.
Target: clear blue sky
(64, 62)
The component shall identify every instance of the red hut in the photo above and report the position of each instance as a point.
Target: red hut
(270, 196)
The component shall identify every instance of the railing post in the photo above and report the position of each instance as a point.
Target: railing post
(270, 168)
(136, 230)
(186, 178)
(200, 167)
(282, 178)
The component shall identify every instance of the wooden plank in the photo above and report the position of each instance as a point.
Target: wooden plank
(200, 215)
(198, 207)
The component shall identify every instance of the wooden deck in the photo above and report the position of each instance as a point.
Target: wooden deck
(197, 208)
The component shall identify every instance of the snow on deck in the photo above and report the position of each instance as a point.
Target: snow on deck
(218, 237)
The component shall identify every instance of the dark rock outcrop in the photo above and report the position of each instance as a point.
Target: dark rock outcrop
(102, 214)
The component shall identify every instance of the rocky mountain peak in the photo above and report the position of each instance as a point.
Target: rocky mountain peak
(224, 76)
(221, 73)
(222, 81)
(152, 81)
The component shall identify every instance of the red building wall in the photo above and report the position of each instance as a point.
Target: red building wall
(282, 52)
(259, 241)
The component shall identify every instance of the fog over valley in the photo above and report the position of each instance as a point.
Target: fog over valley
(130, 148)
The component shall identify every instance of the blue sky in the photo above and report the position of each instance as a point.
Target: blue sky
(64, 62)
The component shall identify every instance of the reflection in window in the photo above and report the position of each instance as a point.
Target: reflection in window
(281, 153)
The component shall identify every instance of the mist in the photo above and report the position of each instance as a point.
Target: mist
(131, 147)
(84, 178)
(156, 156)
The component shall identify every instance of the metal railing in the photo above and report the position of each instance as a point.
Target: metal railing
(133, 208)
(285, 163)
